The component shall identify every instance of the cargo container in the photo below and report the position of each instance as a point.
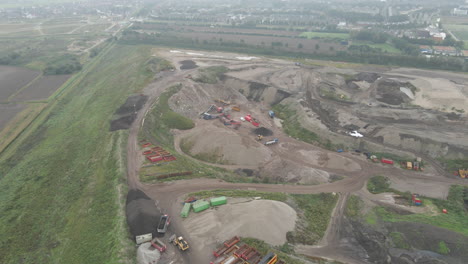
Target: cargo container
(158, 244)
(386, 161)
(218, 201)
(200, 205)
(185, 210)
(143, 238)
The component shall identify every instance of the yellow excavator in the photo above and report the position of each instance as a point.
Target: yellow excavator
(259, 138)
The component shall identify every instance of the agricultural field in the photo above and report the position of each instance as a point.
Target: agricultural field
(385, 47)
(86, 175)
(460, 31)
(324, 35)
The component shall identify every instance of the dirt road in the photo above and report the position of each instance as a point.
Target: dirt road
(168, 194)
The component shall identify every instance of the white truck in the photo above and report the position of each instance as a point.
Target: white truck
(271, 142)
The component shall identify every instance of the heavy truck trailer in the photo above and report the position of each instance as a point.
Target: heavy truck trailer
(163, 224)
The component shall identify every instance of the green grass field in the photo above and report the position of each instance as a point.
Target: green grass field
(385, 47)
(460, 31)
(62, 187)
(455, 220)
(324, 35)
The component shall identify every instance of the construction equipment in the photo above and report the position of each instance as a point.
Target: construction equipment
(409, 165)
(270, 258)
(271, 114)
(235, 108)
(158, 244)
(463, 173)
(179, 242)
(259, 137)
(223, 102)
(163, 224)
(271, 142)
(416, 200)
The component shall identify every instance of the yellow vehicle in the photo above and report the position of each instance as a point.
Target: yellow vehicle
(179, 242)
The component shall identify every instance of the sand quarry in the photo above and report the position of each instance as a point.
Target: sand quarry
(241, 217)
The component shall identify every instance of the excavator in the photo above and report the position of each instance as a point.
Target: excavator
(259, 138)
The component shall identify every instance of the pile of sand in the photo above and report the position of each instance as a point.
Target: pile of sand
(146, 254)
(262, 219)
(329, 160)
(226, 146)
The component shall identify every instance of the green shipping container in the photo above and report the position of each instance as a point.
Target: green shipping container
(218, 201)
(200, 205)
(185, 210)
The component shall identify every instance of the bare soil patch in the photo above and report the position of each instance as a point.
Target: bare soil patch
(241, 218)
(224, 145)
(41, 88)
(14, 78)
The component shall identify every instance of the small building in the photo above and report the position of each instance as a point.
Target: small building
(445, 50)
(424, 49)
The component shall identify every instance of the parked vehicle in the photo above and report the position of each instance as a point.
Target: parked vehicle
(158, 244)
(271, 142)
(270, 258)
(355, 134)
(163, 224)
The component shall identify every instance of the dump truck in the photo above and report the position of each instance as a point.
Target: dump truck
(179, 242)
(271, 142)
(270, 258)
(163, 224)
(158, 244)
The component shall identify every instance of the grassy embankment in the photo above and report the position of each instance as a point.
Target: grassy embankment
(293, 128)
(62, 181)
(455, 220)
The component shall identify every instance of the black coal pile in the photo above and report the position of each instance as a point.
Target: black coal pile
(142, 213)
(188, 64)
(126, 114)
(263, 131)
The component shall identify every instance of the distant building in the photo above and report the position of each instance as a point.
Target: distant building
(425, 49)
(459, 12)
(465, 54)
(445, 50)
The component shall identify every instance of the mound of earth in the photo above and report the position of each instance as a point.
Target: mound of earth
(263, 131)
(369, 77)
(245, 219)
(329, 160)
(393, 92)
(124, 122)
(222, 145)
(142, 213)
(188, 64)
(147, 254)
(293, 172)
(126, 113)
(133, 104)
